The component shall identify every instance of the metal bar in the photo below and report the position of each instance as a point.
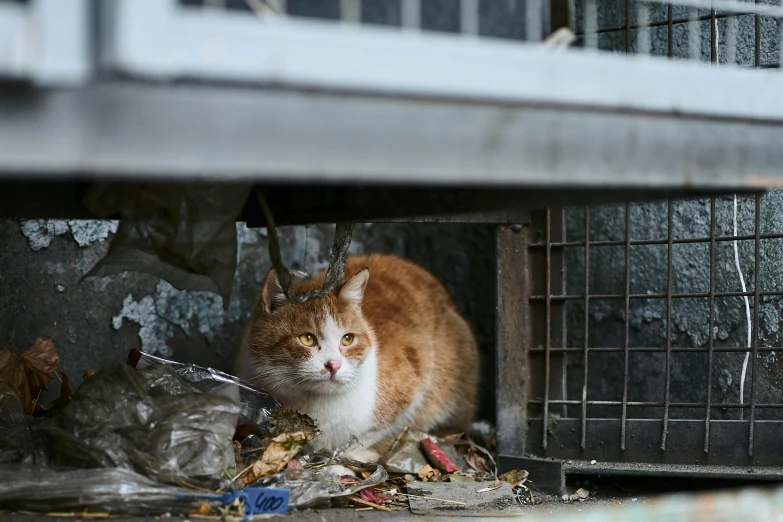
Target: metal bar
(547, 327)
(512, 338)
(636, 242)
(694, 36)
(708, 412)
(301, 133)
(659, 349)
(688, 295)
(411, 14)
(628, 26)
(757, 38)
(713, 36)
(534, 12)
(587, 326)
(469, 17)
(669, 31)
(657, 23)
(669, 281)
(731, 40)
(351, 11)
(643, 42)
(626, 323)
(755, 334)
(653, 404)
(591, 24)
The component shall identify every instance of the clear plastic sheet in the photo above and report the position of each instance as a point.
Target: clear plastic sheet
(314, 488)
(16, 442)
(151, 421)
(255, 406)
(185, 235)
(117, 490)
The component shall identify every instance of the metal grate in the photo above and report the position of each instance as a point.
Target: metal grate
(709, 30)
(567, 420)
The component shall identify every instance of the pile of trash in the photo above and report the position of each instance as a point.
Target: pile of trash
(154, 436)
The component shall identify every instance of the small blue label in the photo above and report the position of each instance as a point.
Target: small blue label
(265, 500)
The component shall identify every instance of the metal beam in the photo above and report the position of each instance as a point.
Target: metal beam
(128, 131)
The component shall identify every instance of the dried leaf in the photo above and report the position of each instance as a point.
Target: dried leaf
(429, 474)
(288, 420)
(65, 397)
(453, 437)
(88, 374)
(459, 477)
(30, 372)
(281, 450)
(515, 477)
(493, 487)
(477, 461)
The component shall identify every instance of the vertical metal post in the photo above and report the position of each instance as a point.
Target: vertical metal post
(627, 318)
(669, 279)
(755, 333)
(627, 26)
(583, 441)
(512, 337)
(710, 355)
(547, 326)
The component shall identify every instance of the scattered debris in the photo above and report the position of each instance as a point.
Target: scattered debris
(279, 452)
(593, 463)
(437, 456)
(580, 495)
(515, 477)
(429, 474)
(476, 461)
(439, 498)
(493, 487)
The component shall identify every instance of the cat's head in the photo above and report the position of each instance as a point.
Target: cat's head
(318, 347)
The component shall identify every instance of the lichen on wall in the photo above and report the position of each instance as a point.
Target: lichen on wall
(41, 232)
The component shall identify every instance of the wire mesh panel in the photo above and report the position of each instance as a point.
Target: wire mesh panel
(655, 332)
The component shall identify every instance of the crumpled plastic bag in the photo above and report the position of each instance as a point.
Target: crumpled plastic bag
(151, 421)
(16, 442)
(405, 455)
(35, 488)
(255, 406)
(314, 488)
(184, 234)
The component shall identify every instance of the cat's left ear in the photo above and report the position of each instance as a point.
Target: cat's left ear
(352, 292)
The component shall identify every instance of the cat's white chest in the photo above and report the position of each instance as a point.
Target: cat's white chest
(343, 416)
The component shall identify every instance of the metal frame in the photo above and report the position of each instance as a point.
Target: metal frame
(45, 42)
(745, 447)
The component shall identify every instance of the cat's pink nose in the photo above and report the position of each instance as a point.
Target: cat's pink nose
(333, 365)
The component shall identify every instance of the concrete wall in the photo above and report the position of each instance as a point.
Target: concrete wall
(97, 322)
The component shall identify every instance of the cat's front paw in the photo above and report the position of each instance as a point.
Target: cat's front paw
(366, 455)
(339, 471)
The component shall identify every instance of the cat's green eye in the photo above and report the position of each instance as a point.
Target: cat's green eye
(307, 339)
(347, 339)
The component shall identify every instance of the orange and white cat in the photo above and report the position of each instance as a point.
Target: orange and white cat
(385, 350)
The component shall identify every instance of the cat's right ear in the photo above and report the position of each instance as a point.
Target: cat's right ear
(272, 294)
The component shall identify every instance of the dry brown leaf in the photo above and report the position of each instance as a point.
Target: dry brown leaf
(515, 477)
(476, 461)
(65, 396)
(30, 372)
(202, 509)
(282, 449)
(88, 374)
(429, 474)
